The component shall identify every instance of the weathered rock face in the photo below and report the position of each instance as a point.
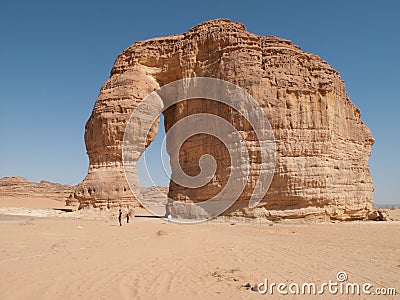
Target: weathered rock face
(20, 187)
(322, 145)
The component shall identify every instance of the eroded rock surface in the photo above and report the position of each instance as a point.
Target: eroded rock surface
(322, 145)
(17, 187)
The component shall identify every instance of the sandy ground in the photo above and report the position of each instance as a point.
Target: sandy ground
(70, 258)
(29, 202)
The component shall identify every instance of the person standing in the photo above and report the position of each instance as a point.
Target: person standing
(127, 218)
(120, 217)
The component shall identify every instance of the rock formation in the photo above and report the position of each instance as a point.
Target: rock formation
(322, 145)
(17, 187)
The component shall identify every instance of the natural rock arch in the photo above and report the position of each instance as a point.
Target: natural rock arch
(322, 145)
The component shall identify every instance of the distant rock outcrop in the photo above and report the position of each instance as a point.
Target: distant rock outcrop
(22, 187)
(322, 145)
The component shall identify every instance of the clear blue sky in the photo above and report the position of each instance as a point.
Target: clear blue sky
(55, 55)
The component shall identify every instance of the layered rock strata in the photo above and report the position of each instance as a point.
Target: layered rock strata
(322, 146)
(20, 187)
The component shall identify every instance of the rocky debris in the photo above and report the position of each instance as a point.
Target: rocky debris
(22, 187)
(232, 274)
(161, 232)
(72, 201)
(378, 215)
(323, 147)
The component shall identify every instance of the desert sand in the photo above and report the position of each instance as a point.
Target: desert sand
(50, 254)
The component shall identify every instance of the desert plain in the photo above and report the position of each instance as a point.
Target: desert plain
(47, 253)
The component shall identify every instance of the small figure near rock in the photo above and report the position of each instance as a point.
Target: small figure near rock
(120, 217)
(127, 218)
(169, 218)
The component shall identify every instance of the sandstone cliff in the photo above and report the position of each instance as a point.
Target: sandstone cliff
(322, 145)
